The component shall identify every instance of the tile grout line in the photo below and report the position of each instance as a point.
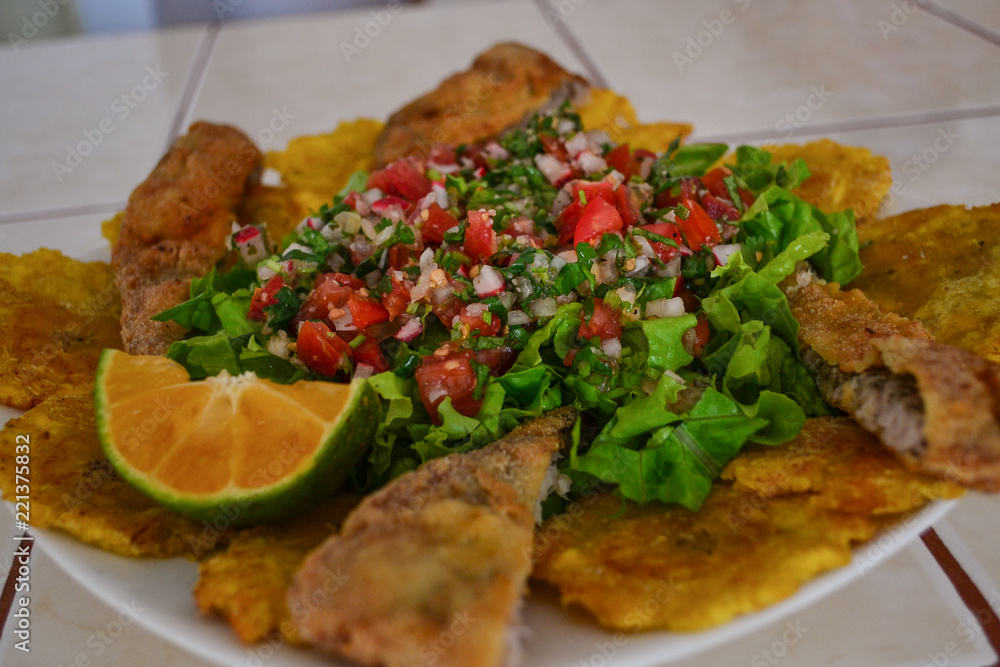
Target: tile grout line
(558, 24)
(7, 597)
(195, 79)
(882, 122)
(967, 590)
(68, 212)
(960, 22)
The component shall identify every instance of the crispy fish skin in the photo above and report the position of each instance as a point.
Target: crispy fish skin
(936, 405)
(175, 228)
(505, 84)
(444, 551)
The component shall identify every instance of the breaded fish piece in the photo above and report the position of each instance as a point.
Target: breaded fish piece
(936, 405)
(433, 566)
(791, 512)
(175, 228)
(504, 86)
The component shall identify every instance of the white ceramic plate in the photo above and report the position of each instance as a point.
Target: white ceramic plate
(557, 637)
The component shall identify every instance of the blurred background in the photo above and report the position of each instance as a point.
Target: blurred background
(54, 18)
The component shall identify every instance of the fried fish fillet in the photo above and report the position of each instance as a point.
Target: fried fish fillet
(56, 316)
(74, 487)
(175, 228)
(936, 405)
(792, 512)
(440, 552)
(505, 84)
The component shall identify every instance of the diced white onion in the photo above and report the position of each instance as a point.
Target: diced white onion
(412, 328)
(626, 294)
(507, 299)
(722, 253)
(553, 168)
(613, 348)
(518, 317)
(489, 282)
(368, 229)
(665, 307)
(577, 143)
(363, 371)
(543, 307)
(349, 221)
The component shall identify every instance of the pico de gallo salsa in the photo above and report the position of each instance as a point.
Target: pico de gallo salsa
(493, 282)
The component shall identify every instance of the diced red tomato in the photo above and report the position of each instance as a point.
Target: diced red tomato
(627, 204)
(592, 190)
(352, 199)
(627, 162)
(696, 338)
(478, 322)
(619, 158)
(396, 300)
(438, 221)
(401, 178)
(719, 208)
(264, 297)
(568, 219)
(365, 311)
(442, 155)
(698, 228)
(499, 359)
(554, 146)
(688, 189)
(480, 239)
(450, 375)
(598, 218)
(570, 356)
(401, 255)
(328, 293)
(344, 279)
(322, 350)
(604, 323)
(370, 352)
(714, 181)
(691, 301)
(669, 230)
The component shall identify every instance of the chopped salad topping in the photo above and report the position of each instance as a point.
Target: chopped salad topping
(550, 267)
